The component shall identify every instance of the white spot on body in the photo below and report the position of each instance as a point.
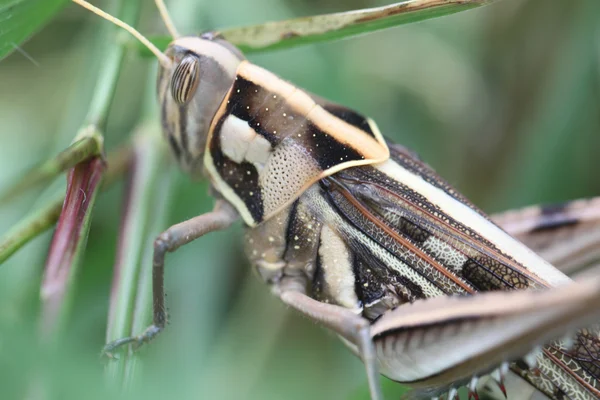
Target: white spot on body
(241, 143)
(259, 150)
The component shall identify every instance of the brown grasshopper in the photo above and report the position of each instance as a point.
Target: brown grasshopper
(357, 233)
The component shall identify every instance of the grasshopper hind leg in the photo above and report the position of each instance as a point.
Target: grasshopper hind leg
(353, 328)
(221, 217)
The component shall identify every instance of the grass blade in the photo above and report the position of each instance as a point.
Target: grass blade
(294, 32)
(130, 280)
(142, 311)
(320, 28)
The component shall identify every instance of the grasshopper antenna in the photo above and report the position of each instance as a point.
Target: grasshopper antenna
(164, 14)
(162, 58)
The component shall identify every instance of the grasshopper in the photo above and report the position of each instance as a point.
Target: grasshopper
(357, 233)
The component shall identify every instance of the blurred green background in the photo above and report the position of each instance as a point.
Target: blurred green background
(503, 101)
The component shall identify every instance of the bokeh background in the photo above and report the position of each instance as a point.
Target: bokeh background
(503, 101)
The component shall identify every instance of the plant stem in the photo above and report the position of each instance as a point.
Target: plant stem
(43, 219)
(30, 227)
(140, 214)
(90, 144)
(111, 67)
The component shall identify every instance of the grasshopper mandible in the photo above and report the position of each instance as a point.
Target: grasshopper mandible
(357, 233)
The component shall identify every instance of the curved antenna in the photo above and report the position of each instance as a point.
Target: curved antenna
(162, 58)
(164, 14)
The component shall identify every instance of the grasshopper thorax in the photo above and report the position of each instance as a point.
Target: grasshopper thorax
(190, 91)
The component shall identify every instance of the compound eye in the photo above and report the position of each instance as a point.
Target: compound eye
(185, 79)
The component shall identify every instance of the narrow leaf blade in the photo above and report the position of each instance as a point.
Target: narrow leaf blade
(320, 28)
(294, 32)
(129, 301)
(19, 19)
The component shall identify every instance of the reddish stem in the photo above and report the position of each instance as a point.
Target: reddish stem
(83, 182)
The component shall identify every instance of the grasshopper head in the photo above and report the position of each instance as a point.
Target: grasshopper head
(190, 91)
(195, 75)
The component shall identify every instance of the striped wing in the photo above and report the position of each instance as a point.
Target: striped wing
(566, 235)
(415, 237)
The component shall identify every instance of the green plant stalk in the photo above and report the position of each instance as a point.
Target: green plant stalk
(320, 28)
(90, 144)
(30, 227)
(142, 312)
(43, 219)
(109, 73)
(139, 214)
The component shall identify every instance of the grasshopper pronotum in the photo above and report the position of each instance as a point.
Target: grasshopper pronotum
(358, 234)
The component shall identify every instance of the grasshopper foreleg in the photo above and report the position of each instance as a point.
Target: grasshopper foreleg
(222, 216)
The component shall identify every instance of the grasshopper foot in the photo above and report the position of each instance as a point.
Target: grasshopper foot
(137, 341)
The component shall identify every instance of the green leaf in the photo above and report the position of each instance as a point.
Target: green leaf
(327, 27)
(19, 19)
(294, 32)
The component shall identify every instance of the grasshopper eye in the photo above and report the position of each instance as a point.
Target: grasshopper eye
(185, 79)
